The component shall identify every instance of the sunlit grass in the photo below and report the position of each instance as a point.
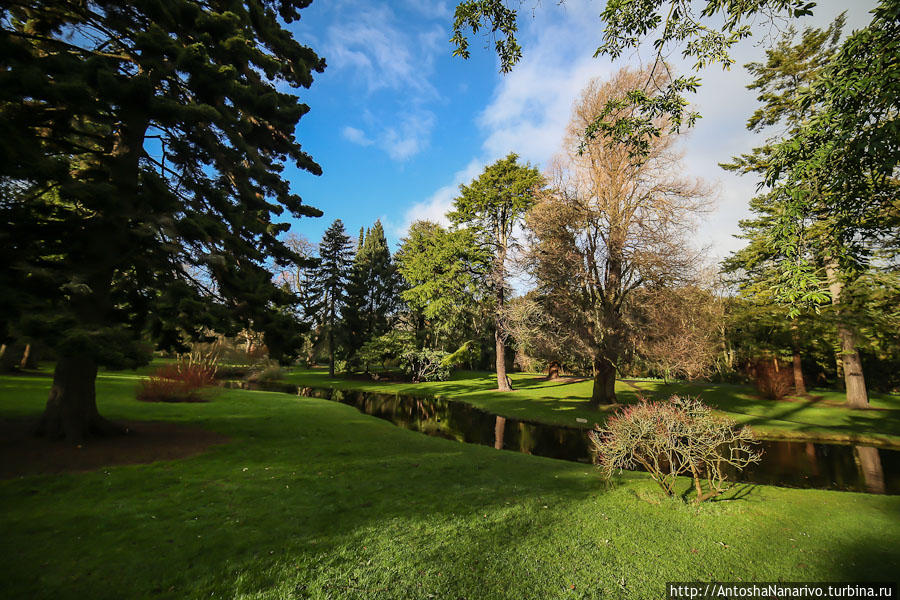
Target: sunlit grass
(314, 500)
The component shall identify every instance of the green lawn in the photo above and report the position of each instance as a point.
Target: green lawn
(821, 417)
(315, 500)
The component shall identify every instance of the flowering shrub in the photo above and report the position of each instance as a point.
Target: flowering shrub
(680, 436)
(183, 381)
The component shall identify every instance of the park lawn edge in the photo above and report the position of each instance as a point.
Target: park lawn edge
(775, 430)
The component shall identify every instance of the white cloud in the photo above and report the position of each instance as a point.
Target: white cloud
(531, 106)
(369, 42)
(430, 9)
(388, 60)
(436, 206)
(409, 136)
(357, 136)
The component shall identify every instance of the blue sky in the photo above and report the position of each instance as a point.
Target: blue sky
(398, 124)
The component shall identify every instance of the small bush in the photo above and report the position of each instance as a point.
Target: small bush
(774, 380)
(426, 365)
(680, 436)
(183, 381)
(232, 371)
(269, 373)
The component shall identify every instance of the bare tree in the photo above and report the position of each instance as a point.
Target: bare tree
(681, 336)
(611, 224)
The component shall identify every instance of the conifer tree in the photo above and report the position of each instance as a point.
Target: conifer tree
(492, 206)
(141, 151)
(334, 267)
(372, 290)
(353, 329)
(382, 289)
(830, 206)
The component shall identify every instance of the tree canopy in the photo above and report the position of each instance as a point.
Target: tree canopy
(141, 151)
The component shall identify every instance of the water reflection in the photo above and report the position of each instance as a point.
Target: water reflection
(869, 461)
(792, 464)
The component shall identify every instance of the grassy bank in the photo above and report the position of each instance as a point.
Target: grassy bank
(821, 417)
(312, 499)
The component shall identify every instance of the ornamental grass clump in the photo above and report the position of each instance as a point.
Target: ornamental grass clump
(668, 439)
(187, 380)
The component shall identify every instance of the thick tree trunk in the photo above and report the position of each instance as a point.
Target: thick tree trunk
(71, 410)
(799, 382)
(854, 381)
(604, 391)
(849, 360)
(502, 380)
(553, 370)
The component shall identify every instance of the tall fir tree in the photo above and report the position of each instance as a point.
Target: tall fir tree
(353, 326)
(382, 288)
(141, 151)
(334, 268)
(372, 291)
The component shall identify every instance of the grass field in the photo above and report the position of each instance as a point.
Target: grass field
(823, 417)
(312, 499)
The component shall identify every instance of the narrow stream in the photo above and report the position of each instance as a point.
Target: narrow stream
(789, 464)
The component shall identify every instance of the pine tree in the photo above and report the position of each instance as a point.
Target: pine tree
(141, 151)
(334, 267)
(372, 291)
(382, 289)
(353, 322)
(492, 206)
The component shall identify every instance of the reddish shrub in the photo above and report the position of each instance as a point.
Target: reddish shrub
(178, 382)
(773, 379)
(680, 436)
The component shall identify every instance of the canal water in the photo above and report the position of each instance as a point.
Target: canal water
(784, 463)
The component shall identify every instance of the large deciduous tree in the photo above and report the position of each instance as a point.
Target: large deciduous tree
(141, 145)
(611, 224)
(492, 206)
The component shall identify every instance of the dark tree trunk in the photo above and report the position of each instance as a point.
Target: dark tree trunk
(71, 410)
(799, 383)
(553, 370)
(604, 391)
(331, 339)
